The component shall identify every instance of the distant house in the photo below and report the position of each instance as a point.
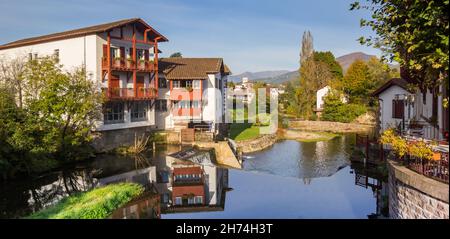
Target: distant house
(243, 92)
(320, 99)
(419, 113)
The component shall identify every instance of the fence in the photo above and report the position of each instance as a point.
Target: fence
(436, 169)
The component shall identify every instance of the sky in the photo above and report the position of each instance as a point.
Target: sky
(251, 35)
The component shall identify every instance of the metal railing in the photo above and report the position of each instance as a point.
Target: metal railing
(436, 169)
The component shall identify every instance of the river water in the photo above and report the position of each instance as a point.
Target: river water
(291, 179)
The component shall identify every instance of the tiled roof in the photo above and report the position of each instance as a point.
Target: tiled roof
(177, 68)
(394, 81)
(78, 32)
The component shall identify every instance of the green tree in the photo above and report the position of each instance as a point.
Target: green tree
(328, 58)
(413, 33)
(177, 54)
(313, 76)
(337, 111)
(356, 82)
(54, 126)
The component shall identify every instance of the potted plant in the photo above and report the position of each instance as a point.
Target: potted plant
(142, 64)
(129, 62)
(117, 61)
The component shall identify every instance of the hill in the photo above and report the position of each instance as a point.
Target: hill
(256, 75)
(346, 60)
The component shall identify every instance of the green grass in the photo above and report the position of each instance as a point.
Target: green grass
(97, 203)
(243, 131)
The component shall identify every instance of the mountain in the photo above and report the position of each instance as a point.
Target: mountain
(291, 75)
(346, 60)
(256, 75)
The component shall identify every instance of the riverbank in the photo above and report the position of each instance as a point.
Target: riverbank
(330, 127)
(305, 136)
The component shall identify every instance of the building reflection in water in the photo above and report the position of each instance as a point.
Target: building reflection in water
(372, 176)
(185, 181)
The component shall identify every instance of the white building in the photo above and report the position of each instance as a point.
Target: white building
(320, 99)
(415, 113)
(122, 58)
(192, 93)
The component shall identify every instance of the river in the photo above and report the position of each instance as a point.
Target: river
(291, 179)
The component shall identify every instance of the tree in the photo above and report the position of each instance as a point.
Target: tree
(54, 125)
(313, 76)
(328, 58)
(337, 111)
(12, 76)
(356, 82)
(307, 46)
(379, 73)
(413, 33)
(177, 54)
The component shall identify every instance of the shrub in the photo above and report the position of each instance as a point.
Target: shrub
(97, 203)
(335, 110)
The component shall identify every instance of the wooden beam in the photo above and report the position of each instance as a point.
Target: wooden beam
(109, 61)
(131, 40)
(135, 61)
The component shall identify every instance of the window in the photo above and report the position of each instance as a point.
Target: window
(176, 84)
(398, 109)
(195, 104)
(30, 56)
(115, 53)
(140, 54)
(113, 113)
(165, 198)
(191, 200)
(424, 97)
(161, 105)
(197, 84)
(162, 83)
(56, 53)
(139, 111)
(189, 84)
(198, 200)
(178, 201)
(163, 177)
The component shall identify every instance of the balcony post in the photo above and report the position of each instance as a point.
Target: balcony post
(108, 59)
(155, 64)
(135, 60)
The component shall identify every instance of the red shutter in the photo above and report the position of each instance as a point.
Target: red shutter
(105, 50)
(146, 55)
(394, 107)
(398, 109)
(122, 52)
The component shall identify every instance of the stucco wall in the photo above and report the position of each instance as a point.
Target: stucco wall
(386, 107)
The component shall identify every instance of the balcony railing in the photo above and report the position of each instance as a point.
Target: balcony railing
(128, 65)
(129, 93)
(436, 169)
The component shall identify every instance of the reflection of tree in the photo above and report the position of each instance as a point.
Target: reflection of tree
(307, 181)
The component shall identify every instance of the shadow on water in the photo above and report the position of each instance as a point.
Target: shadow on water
(290, 180)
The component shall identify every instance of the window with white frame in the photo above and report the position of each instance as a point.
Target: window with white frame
(114, 112)
(176, 84)
(139, 111)
(178, 201)
(196, 84)
(191, 200)
(198, 200)
(188, 84)
(161, 105)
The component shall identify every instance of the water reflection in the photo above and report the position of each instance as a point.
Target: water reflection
(289, 180)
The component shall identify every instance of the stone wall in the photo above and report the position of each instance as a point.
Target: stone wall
(327, 126)
(260, 143)
(111, 139)
(414, 196)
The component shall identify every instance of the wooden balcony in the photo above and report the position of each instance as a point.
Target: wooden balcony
(187, 112)
(185, 94)
(122, 64)
(130, 94)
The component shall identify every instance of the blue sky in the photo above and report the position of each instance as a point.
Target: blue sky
(251, 35)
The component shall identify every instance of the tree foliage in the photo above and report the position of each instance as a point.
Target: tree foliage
(177, 54)
(336, 110)
(55, 121)
(307, 47)
(356, 82)
(328, 58)
(413, 33)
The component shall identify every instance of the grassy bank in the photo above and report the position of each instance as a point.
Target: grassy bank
(97, 203)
